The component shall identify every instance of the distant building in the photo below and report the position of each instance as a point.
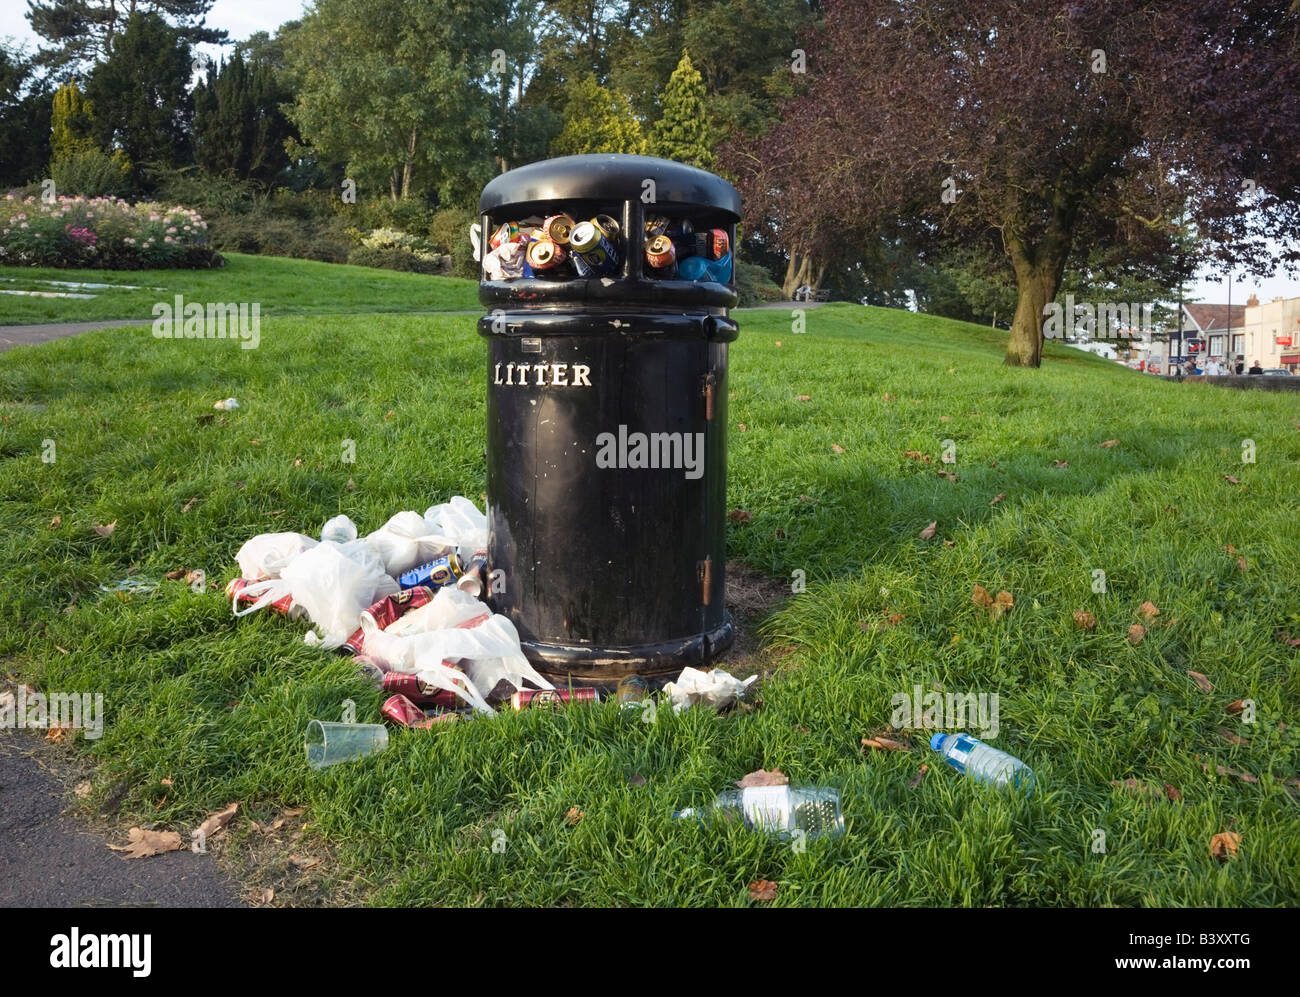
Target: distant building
(1270, 333)
(1216, 325)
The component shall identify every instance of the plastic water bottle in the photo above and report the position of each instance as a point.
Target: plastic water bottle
(783, 810)
(971, 756)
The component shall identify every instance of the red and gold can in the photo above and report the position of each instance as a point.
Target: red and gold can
(557, 229)
(609, 225)
(418, 692)
(660, 252)
(721, 244)
(552, 697)
(545, 256)
(405, 713)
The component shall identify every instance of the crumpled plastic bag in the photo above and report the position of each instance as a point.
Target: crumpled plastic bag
(334, 583)
(715, 688)
(506, 262)
(267, 553)
(486, 653)
(340, 530)
(449, 608)
(406, 541)
(461, 523)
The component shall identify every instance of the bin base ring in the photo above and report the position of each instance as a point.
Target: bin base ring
(585, 665)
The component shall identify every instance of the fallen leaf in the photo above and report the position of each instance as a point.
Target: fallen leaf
(744, 428)
(58, 733)
(1203, 683)
(739, 516)
(928, 532)
(950, 543)
(144, 844)
(946, 474)
(1172, 793)
(573, 815)
(1060, 463)
(1243, 776)
(215, 822)
(194, 576)
(1108, 444)
(762, 777)
(837, 448)
(165, 782)
(1223, 846)
(1241, 563)
(916, 455)
(82, 789)
(204, 419)
(1085, 621)
(1236, 706)
(106, 531)
(998, 498)
(805, 498)
(1231, 480)
(56, 522)
(297, 462)
(886, 744)
(894, 619)
(175, 576)
(1230, 737)
(916, 779)
(304, 862)
(1148, 611)
(945, 418)
(636, 779)
(388, 415)
(803, 398)
(352, 485)
(887, 397)
(190, 504)
(1004, 602)
(762, 891)
(1135, 633)
(980, 596)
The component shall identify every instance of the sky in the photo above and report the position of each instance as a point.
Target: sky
(243, 17)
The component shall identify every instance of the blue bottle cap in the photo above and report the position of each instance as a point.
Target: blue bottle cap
(936, 742)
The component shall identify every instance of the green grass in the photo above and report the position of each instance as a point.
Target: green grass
(219, 705)
(280, 286)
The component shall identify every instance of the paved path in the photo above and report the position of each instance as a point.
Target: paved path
(48, 859)
(27, 335)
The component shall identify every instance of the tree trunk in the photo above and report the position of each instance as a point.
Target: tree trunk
(798, 271)
(408, 168)
(1034, 290)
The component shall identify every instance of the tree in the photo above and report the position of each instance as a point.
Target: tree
(399, 90)
(597, 119)
(70, 122)
(1059, 127)
(140, 93)
(682, 133)
(239, 129)
(24, 120)
(80, 32)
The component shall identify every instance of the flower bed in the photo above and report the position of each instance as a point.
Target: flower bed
(102, 233)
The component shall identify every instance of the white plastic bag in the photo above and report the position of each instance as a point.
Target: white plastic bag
(406, 542)
(267, 553)
(460, 522)
(334, 583)
(339, 530)
(715, 688)
(449, 608)
(506, 262)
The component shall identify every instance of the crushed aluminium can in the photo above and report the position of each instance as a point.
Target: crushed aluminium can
(632, 691)
(594, 248)
(417, 691)
(405, 713)
(388, 611)
(661, 256)
(235, 592)
(435, 574)
(507, 232)
(557, 229)
(656, 225)
(553, 698)
(546, 257)
(609, 225)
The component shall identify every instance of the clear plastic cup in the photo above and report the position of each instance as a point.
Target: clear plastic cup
(331, 743)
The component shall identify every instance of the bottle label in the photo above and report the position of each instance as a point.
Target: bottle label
(768, 808)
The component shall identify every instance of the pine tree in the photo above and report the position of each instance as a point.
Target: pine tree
(682, 133)
(239, 130)
(597, 119)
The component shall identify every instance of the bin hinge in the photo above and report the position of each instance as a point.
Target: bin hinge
(704, 571)
(709, 391)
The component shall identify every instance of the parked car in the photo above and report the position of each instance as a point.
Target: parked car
(1276, 372)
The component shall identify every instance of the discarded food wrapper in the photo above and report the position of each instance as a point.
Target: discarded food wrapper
(227, 405)
(715, 688)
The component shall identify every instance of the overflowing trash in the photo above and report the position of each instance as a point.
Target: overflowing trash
(559, 248)
(714, 688)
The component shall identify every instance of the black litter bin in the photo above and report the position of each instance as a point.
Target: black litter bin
(607, 412)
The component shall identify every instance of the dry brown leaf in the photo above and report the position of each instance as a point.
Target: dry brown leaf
(949, 475)
(743, 428)
(216, 822)
(739, 516)
(1172, 793)
(1224, 771)
(916, 779)
(928, 532)
(636, 779)
(1084, 620)
(998, 498)
(144, 844)
(193, 576)
(1148, 611)
(1109, 443)
(894, 619)
(351, 485)
(1230, 737)
(886, 744)
(166, 782)
(836, 448)
(762, 777)
(1135, 633)
(573, 815)
(1202, 683)
(304, 862)
(916, 455)
(205, 418)
(56, 522)
(1060, 463)
(1004, 601)
(1231, 480)
(175, 576)
(1223, 846)
(980, 596)
(58, 734)
(887, 397)
(190, 504)
(106, 531)
(1236, 706)
(762, 891)
(1241, 563)
(803, 398)
(82, 789)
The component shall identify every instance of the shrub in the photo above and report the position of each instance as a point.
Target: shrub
(755, 285)
(449, 233)
(396, 258)
(92, 173)
(102, 232)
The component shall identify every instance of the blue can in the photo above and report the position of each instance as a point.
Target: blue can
(436, 574)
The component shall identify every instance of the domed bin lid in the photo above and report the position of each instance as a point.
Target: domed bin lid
(609, 177)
